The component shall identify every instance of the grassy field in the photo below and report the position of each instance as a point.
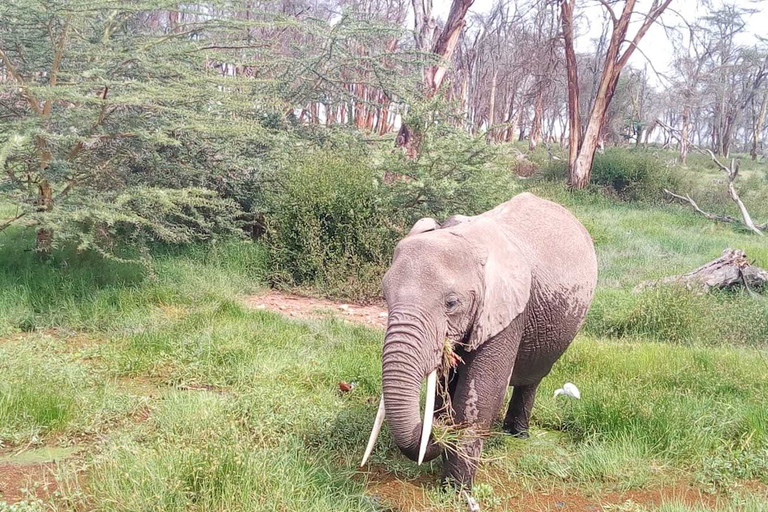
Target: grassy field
(158, 390)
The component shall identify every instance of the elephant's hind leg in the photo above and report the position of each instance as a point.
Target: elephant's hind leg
(519, 410)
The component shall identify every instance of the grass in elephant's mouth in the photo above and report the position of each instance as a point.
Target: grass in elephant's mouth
(451, 436)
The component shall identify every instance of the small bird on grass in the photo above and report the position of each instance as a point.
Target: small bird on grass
(568, 389)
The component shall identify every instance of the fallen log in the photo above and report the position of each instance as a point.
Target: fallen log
(730, 270)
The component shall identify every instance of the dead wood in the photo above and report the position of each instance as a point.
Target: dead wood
(731, 269)
(710, 216)
(731, 173)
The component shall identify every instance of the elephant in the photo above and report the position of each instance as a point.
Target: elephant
(506, 291)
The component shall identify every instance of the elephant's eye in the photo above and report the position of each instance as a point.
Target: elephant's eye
(451, 303)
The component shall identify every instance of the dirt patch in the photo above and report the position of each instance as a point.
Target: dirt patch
(73, 340)
(401, 495)
(411, 495)
(577, 500)
(23, 481)
(309, 307)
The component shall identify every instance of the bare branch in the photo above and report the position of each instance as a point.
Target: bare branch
(7, 223)
(610, 11)
(16, 76)
(732, 173)
(654, 13)
(711, 216)
(57, 57)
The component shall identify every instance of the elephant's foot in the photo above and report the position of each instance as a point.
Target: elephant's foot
(516, 431)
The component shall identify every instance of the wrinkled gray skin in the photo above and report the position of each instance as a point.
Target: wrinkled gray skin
(510, 289)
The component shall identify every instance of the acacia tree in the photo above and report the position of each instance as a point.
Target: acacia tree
(759, 109)
(620, 49)
(409, 136)
(103, 103)
(91, 93)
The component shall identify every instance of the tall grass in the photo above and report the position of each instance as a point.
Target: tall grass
(87, 292)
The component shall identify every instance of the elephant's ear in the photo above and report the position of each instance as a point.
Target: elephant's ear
(423, 225)
(506, 287)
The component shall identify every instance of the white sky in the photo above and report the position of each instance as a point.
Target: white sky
(655, 45)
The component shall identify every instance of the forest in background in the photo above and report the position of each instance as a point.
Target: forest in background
(126, 124)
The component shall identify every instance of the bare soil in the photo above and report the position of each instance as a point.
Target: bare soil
(298, 306)
(411, 496)
(24, 481)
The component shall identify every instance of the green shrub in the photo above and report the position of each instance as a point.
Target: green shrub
(334, 216)
(328, 225)
(632, 174)
(454, 174)
(126, 223)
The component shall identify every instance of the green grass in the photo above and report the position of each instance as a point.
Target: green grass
(247, 416)
(86, 292)
(45, 391)
(174, 397)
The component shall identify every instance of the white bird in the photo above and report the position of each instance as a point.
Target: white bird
(568, 389)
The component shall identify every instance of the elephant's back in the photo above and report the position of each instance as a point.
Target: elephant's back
(559, 246)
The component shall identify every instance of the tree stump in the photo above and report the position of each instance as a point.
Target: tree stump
(730, 270)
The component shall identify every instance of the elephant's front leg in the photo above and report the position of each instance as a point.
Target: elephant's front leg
(480, 391)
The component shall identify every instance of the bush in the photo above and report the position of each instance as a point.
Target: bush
(632, 174)
(334, 216)
(125, 224)
(628, 173)
(328, 225)
(454, 174)
(673, 314)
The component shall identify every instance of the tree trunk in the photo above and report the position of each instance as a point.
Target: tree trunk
(614, 62)
(409, 137)
(492, 105)
(535, 136)
(44, 204)
(727, 135)
(574, 122)
(731, 269)
(758, 126)
(464, 94)
(684, 136)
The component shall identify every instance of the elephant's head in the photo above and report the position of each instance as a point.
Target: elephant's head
(465, 283)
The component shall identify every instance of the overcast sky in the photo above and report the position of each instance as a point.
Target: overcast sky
(655, 45)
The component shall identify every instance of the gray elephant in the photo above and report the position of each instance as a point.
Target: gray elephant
(507, 290)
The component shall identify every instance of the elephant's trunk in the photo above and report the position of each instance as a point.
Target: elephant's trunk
(411, 351)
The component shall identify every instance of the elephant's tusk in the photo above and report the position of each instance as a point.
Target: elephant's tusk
(374, 432)
(429, 409)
